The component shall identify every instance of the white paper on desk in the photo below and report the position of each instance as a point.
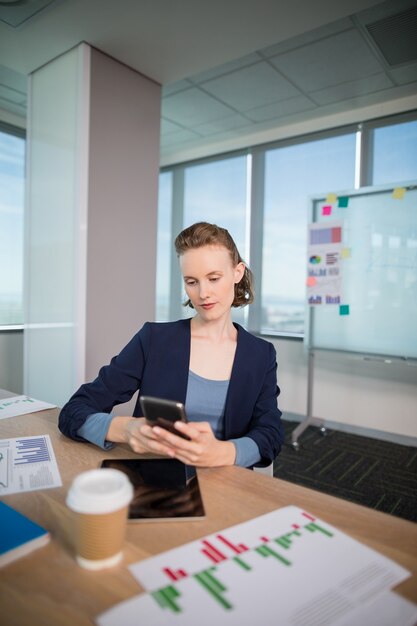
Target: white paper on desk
(27, 464)
(20, 405)
(386, 609)
(284, 564)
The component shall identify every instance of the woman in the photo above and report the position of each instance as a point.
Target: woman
(225, 376)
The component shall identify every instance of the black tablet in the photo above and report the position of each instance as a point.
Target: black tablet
(164, 489)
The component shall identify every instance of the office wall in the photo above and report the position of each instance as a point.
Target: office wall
(122, 207)
(350, 391)
(11, 360)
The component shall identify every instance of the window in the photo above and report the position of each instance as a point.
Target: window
(12, 158)
(395, 153)
(216, 192)
(286, 176)
(292, 175)
(213, 191)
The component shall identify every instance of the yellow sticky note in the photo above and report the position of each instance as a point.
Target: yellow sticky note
(345, 253)
(399, 193)
(331, 197)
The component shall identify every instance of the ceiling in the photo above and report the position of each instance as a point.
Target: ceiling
(229, 68)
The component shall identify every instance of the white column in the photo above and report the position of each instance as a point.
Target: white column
(91, 217)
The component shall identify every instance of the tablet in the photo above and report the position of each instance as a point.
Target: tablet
(164, 489)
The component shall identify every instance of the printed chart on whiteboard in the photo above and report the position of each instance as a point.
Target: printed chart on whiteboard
(324, 278)
(27, 464)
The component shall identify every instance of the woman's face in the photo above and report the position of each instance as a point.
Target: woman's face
(209, 278)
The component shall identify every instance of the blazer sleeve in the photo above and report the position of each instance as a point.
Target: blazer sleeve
(116, 383)
(266, 428)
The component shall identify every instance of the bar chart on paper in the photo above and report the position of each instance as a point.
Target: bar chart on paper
(27, 464)
(256, 570)
(31, 450)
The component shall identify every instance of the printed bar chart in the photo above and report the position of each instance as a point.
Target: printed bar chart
(255, 563)
(31, 450)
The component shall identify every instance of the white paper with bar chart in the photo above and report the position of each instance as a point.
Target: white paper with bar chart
(285, 567)
(27, 464)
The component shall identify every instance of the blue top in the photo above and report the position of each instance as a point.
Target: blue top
(156, 361)
(205, 402)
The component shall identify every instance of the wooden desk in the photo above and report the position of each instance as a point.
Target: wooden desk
(47, 588)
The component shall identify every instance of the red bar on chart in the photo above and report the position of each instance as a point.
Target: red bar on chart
(308, 516)
(213, 554)
(237, 549)
(265, 539)
(174, 574)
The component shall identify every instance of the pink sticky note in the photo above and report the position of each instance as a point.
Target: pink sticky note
(311, 281)
(327, 210)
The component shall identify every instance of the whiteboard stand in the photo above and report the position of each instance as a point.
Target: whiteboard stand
(309, 420)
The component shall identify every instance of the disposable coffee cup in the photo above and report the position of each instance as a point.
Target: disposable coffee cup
(99, 500)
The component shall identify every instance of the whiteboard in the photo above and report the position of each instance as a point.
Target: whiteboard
(379, 278)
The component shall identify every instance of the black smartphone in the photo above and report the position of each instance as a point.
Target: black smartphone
(163, 413)
(164, 489)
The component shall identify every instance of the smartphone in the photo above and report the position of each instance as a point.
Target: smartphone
(163, 413)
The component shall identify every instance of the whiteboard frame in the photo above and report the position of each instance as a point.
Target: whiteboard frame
(310, 314)
(310, 420)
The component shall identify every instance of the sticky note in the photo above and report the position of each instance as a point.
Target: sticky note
(399, 193)
(326, 210)
(343, 202)
(311, 281)
(331, 197)
(344, 309)
(345, 253)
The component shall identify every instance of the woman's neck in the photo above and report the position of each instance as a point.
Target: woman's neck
(216, 330)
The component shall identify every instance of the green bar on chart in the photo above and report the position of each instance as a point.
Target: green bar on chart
(242, 564)
(267, 551)
(214, 587)
(166, 598)
(312, 527)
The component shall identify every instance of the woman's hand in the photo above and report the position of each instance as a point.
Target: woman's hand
(202, 449)
(138, 435)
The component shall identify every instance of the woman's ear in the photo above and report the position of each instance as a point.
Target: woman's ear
(239, 271)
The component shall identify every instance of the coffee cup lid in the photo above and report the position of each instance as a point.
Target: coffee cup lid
(100, 491)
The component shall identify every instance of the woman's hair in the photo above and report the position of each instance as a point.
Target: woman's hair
(204, 234)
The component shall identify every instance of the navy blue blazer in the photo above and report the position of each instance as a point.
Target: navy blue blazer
(156, 361)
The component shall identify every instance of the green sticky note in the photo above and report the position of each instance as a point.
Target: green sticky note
(344, 309)
(343, 202)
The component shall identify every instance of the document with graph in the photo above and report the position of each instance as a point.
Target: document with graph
(286, 567)
(27, 464)
(21, 405)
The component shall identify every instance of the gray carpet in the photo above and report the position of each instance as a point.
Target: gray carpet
(374, 473)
